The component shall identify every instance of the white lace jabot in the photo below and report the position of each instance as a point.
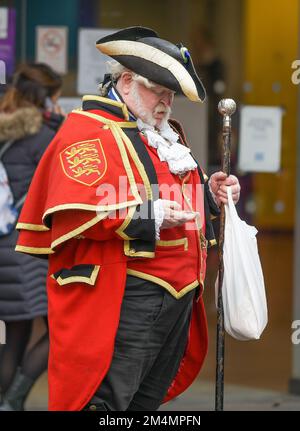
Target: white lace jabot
(168, 148)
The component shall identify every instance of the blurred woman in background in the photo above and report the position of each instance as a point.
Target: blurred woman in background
(28, 126)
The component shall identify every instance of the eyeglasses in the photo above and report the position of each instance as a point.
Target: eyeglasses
(161, 91)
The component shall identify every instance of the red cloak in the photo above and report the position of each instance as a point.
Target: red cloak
(65, 218)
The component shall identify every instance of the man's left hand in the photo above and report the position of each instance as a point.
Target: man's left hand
(219, 182)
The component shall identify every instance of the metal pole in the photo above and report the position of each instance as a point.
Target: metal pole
(226, 108)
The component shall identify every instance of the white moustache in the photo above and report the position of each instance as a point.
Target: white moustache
(162, 108)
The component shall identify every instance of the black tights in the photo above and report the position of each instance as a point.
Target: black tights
(13, 353)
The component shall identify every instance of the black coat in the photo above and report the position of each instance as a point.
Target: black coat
(22, 277)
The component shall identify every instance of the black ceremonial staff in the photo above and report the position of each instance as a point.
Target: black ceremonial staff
(226, 108)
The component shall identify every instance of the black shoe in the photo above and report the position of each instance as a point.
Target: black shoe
(14, 398)
(96, 405)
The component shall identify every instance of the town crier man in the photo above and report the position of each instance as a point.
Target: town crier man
(122, 210)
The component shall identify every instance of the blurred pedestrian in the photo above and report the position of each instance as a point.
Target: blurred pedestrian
(26, 128)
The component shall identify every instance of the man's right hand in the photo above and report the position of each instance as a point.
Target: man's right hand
(174, 215)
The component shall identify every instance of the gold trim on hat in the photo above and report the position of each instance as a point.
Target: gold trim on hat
(154, 55)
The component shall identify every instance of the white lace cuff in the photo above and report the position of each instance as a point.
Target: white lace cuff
(159, 215)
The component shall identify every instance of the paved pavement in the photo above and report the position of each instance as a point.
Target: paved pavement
(200, 397)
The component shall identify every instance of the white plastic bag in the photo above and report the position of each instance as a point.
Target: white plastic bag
(243, 290)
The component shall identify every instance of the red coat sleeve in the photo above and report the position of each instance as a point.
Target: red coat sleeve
(136, 222)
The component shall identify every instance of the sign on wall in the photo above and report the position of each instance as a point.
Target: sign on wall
(91, 62)
(260, 139)
(51, 47)
(3, 22)
(7, 42)
(69, 103)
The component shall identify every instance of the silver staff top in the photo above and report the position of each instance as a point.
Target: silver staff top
(227, 108)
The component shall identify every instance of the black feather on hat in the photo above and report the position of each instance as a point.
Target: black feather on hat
(142, 51)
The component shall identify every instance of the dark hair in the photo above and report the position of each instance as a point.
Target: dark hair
(31, 84)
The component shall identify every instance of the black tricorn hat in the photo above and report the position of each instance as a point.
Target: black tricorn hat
(142, 51)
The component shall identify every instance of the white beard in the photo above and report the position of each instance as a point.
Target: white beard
(145, 115)
(163, 137)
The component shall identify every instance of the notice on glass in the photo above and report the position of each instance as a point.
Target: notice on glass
(91, 62)
(260, 139)
(51, 47)
(69, 103)
(7, 42)
(3, 22)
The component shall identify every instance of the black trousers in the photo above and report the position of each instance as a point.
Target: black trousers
(149, 346)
